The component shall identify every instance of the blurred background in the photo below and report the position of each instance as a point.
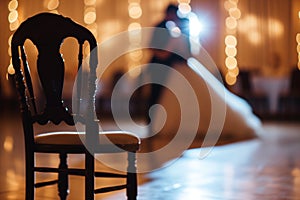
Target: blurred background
(254, 43)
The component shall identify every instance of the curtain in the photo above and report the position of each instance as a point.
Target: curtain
(264, 35)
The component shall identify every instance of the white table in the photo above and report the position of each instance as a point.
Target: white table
(272, 87)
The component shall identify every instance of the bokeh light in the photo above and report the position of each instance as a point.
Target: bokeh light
(53, 4)
(13, 5)
(235, 13)
(184, 8)
(13, 25)
(231, 62)
(90, 2)
(230, 51)
(298, 38)
(135, 10)
(230, 41)
(90, 17)
(134, 26)
(13, 16)
(230, 80)
(231, 23)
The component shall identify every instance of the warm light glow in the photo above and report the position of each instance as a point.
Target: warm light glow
(275, 27)
(134, 26)
(299, 14)
(13, 16)
(231, 23)
(53, 4)
(248, 23)
(134, 1)
(184, 1)
(230, 80)
(13, 182)
(231, 62)
(10, 70)
(298, 37)
(135, 10)
(9, 50)
(8, 144)
(89, 9)
(230, 51)
(235, 13)
(254, 37)
(13, 26)
(92, 26)
(89, 2)
(136, 55)
(298, 46)
(9, 40)
(12, 5)
(90, 17)
(230, 41)
(134, 71)
(234, 72)
(296, 172)
(229, 5)
(184, 8)
(54, 11)
(135, 37)
(249, 26)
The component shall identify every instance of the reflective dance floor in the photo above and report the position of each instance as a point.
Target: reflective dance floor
(267, 168)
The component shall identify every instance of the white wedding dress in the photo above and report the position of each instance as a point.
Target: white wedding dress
(198, 104)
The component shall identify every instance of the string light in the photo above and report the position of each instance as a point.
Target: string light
(90, 18)
(135, 12)
(298, 48)
(13, 20)
(52, 5)
(231, 41)
(184, 8)
(195, 25)
(298, 44)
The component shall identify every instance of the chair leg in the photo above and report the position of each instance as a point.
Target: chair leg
(89, 176)
(63, 185)
(29, 176)
(131, 177)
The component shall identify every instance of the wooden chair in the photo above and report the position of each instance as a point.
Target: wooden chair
(47, 32)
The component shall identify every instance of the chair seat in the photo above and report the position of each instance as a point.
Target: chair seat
(77, 138)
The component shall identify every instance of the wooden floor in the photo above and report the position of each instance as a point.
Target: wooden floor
(266, 168)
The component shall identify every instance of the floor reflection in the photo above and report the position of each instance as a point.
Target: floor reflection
(267, 168)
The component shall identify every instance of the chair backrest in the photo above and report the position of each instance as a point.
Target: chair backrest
(47, 32)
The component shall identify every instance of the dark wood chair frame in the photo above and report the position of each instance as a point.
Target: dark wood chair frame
(47, 32)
